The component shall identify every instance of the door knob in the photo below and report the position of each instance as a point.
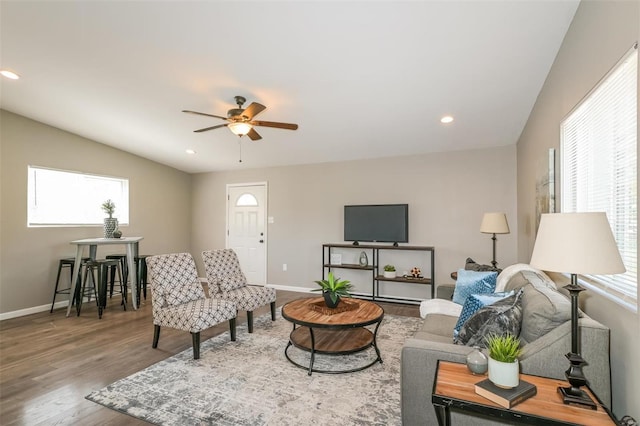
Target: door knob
(262, 241)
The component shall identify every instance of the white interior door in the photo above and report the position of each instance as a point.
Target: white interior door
(246, 228)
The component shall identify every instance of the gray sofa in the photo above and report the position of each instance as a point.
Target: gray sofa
(544, 316)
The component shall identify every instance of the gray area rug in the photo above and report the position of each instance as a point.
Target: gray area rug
(250, 382)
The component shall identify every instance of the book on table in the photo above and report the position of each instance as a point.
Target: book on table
(507, 398)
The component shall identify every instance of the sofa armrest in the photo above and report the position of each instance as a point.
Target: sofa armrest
(419, 359)
(445, 291)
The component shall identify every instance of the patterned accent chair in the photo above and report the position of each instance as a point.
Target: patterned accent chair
(227, 281)
(178, 299)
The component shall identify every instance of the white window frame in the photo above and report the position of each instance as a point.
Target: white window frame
(63, 198)
(595, 150)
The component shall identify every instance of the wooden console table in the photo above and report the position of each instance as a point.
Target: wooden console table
(454, 388)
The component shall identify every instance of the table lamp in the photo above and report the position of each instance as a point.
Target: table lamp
(494, 223)
(576, 243)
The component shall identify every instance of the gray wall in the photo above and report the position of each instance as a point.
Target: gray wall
(160, 208)
(447, 195)
(600, 34)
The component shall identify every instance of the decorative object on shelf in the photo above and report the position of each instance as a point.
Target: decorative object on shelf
(504, 369)
(477, 361)
(576, 243)
(336, 259)
(494, 223)
(332, 289)
(363, 260)
(389, 271)
(416, 272)
(110, 223)
(117, 233)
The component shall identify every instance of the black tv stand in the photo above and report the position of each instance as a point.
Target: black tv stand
(395, 244)
(375, 265)
(355, 243)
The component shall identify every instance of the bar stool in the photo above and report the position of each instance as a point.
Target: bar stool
(124, 275)
(141, 267)
(99, 285)
(69, 263)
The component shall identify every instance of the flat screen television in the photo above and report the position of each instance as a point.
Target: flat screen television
(385, 223)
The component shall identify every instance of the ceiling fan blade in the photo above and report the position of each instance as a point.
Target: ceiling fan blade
(211, 128)
(202, 113)
(288, 126)
(253, 135)
(253, 110)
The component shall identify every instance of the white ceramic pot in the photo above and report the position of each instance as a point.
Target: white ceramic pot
(504, 374)
(389, 274)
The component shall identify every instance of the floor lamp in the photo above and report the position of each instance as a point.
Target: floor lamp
(494, 223)
(576, 243)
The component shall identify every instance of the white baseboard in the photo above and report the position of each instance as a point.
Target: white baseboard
(32, 310)
(64, 303)
(290, 288)
(37, 309)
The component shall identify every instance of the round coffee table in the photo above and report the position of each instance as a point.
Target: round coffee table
(321, 330)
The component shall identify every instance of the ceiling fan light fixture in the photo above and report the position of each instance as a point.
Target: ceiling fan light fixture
(240, 128)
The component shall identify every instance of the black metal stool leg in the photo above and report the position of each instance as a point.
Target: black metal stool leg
(55, 292)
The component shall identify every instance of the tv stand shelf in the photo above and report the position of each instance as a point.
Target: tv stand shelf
(374, 267)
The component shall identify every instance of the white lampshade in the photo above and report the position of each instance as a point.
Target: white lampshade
(494, 223)
(240, 128)
(576, 243)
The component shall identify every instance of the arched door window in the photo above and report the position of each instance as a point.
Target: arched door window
(246, 200)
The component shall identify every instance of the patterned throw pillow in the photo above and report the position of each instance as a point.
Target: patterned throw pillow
(232, 282)
(472, 265)
(473, 303)
(473, 282)
(500, 318)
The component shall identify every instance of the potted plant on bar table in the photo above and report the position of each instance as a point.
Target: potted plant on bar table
(332, 289)
(110, 223)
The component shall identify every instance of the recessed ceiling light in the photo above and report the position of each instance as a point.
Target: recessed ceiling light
(9, 74)
(190, 151)
(446, 119)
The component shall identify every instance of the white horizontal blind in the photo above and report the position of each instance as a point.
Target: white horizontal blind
(599, 167)
(63, 198)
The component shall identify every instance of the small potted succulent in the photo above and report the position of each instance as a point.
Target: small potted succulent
(389, 271)
(332, 289)
(504, 369)
(110, 223)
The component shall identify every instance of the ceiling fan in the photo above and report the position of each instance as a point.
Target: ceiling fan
(241, 122)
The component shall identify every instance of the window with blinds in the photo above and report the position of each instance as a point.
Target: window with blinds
(599, 168)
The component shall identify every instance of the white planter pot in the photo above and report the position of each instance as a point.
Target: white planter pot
(389, 274)
(110, 225)
(504, 374)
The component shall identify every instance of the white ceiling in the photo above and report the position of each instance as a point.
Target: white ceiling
(362, 79)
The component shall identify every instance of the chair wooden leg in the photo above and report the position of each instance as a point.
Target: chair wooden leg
(232, 329)
(250, 321)
(195, 337)
(156, 336)
(273, 310)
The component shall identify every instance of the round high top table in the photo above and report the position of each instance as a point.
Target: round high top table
(340, 331)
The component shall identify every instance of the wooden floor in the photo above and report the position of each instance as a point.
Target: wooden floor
(49, 363)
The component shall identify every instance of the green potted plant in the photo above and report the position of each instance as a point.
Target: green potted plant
(389, 271)
(110, 223)
(332, 289)
(504, 369)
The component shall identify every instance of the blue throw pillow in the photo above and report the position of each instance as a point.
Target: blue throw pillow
(473, 303)
(473, 282)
